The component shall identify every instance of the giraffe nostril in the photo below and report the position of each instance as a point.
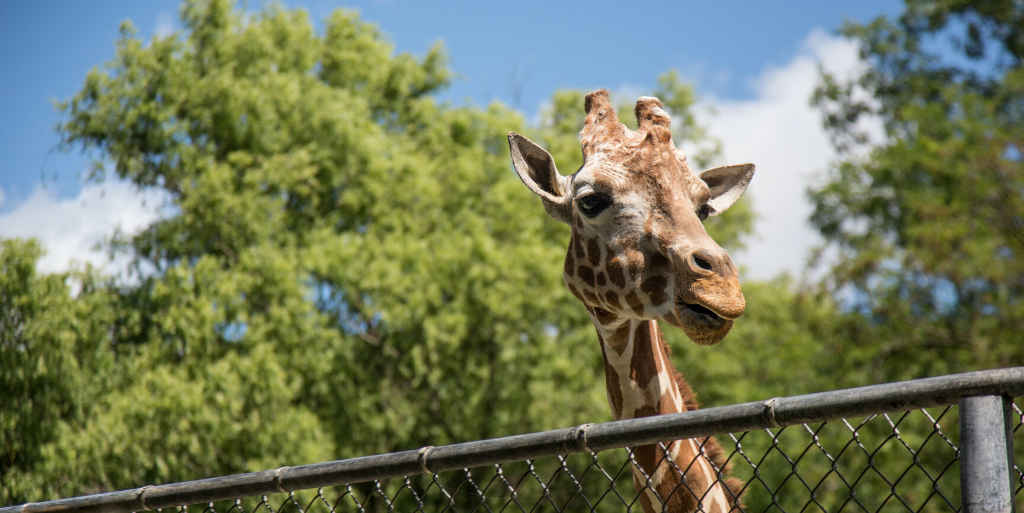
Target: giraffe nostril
(703, 264)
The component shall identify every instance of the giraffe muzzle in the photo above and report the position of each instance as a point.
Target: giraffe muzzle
(707, 307)
(701, 310)
(702, 324)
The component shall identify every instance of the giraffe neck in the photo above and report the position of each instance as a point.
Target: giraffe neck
(642, 382)
(641, 379)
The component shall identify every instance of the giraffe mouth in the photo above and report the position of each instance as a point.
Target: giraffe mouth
(701, 310)
(702, 324)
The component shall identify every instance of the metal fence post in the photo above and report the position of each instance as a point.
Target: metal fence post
(986, 454)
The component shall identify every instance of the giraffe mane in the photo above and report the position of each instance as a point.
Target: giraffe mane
(714, 450)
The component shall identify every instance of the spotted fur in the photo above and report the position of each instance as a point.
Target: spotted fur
(639, 254)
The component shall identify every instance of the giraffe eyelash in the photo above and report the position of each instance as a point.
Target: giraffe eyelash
(593, 204)
(703, 212)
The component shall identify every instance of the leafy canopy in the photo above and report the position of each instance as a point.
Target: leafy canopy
(929, 225)
(350, 268)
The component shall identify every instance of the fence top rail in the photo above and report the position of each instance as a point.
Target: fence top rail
(773, 413)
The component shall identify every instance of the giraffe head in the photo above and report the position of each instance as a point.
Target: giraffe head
(639, 249)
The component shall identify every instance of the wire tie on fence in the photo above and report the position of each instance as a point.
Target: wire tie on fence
(141, 497)
(277, 479)
(581, 437)
(422, 457)
(770, 410)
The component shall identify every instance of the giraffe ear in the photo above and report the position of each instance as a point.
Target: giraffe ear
(727, 184)
(536, 168)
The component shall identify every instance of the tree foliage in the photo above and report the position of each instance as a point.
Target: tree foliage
(350, 267)
(929, 225)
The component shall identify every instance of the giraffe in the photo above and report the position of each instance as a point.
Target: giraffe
(639, 254)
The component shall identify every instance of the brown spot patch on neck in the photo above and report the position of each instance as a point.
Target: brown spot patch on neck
(604, 316)
(619, 340)
(644, 367)
(635, 303)
(611, 298)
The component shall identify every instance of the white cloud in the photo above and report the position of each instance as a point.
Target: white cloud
(165, 24)
(782, 134)
(70, 229)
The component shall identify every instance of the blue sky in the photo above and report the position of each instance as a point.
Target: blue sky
(737, 53)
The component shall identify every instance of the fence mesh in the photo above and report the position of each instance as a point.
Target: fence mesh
(905, 461)
(1018, 453)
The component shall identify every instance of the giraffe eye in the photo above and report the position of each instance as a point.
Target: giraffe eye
(703, 212)
(593, 204)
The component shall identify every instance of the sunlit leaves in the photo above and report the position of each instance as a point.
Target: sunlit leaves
(927, 224)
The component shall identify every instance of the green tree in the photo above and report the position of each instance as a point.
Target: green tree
(56, 359)
(348, 255)
(928, 225)
(350, 268)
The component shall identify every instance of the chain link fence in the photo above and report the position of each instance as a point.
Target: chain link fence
(799, 454)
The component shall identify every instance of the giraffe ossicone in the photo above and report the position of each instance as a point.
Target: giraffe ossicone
(639, 254)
